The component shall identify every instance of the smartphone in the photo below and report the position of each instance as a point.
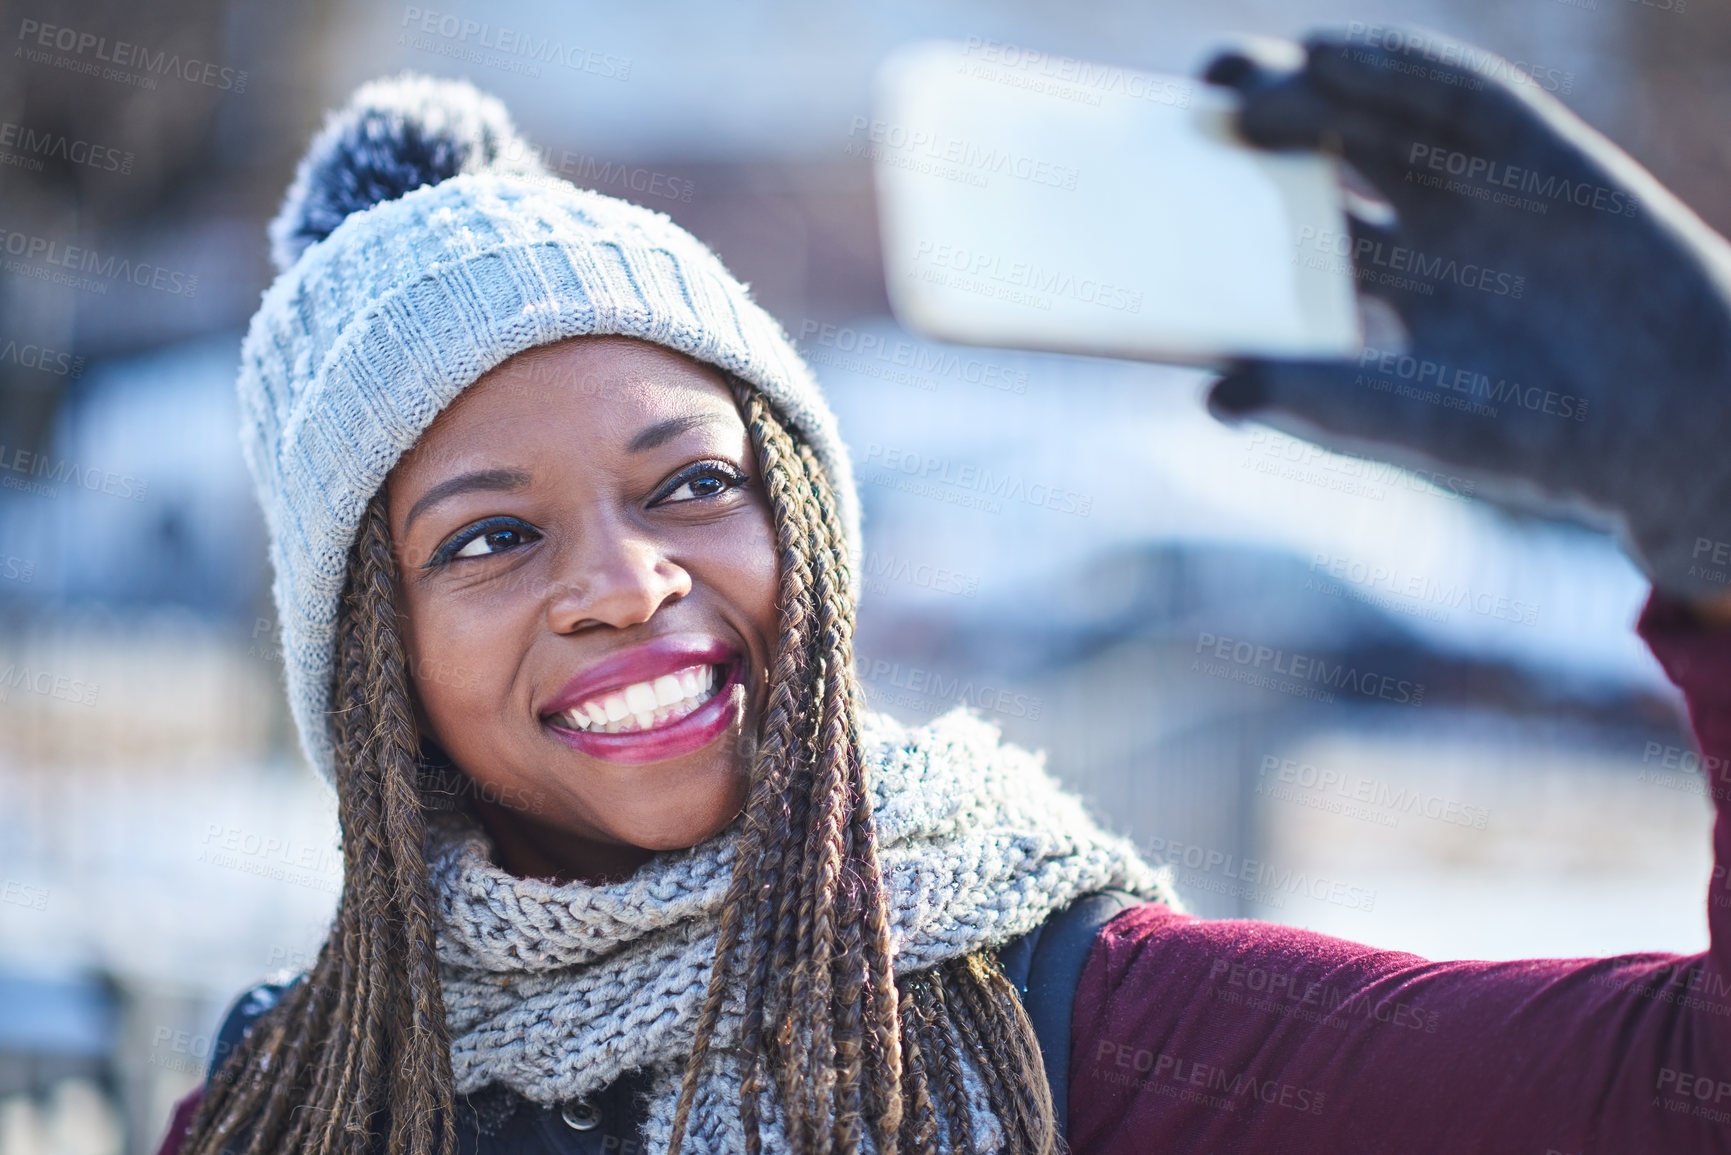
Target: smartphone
(1041, 202)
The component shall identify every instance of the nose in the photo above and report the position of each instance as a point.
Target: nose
(614, 579)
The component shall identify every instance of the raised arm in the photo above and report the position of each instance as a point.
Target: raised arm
(1236, 1035)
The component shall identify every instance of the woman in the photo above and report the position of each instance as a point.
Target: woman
(565, 546)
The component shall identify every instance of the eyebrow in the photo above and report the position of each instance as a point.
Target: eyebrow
(663, 432)
(481, 479)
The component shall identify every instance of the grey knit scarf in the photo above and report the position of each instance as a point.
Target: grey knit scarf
(557, 990)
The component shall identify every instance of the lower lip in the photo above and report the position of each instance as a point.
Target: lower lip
(692, 732)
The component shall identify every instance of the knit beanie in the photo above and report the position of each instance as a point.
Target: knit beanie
(421, 244)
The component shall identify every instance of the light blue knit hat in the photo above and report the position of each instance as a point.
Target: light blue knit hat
(421, 244)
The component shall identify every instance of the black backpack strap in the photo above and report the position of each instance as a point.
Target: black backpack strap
(1046, 965)
(245, 1011)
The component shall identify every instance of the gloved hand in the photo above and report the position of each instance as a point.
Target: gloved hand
(1568, 319)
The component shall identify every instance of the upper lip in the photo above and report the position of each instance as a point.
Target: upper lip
(641, 663)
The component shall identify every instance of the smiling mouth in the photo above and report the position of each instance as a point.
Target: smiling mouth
(644, 706)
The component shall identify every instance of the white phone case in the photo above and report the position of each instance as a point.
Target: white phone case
(1037, 202)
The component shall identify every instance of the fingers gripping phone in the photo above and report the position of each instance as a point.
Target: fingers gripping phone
(1043, 203)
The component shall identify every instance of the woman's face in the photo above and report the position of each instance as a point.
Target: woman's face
(588, 587)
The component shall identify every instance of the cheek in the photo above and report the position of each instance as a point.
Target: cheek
(459, 664)
(754, 577)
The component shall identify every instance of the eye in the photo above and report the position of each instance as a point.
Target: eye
(705, 479)
(485, 538)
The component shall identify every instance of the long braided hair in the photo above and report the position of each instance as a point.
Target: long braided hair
(358, 1051)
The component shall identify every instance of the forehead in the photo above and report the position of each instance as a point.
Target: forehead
(593, 393)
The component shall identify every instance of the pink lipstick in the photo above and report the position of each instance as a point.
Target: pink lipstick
(667, 697)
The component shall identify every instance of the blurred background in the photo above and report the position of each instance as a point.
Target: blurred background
(162, 846)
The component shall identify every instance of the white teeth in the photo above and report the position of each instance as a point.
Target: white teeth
(640, 698)
(644, 705)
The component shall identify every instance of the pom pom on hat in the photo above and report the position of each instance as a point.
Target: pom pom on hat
(394, 136)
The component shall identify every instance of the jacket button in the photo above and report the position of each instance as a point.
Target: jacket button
(580, 1114)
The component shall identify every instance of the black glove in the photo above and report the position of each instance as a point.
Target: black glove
(1568, 319)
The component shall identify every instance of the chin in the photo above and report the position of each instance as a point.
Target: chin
(703, 817)
(681, 837)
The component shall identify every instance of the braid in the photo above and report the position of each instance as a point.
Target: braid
(357, 1051)
(853, 1047)
(1000, 1040)
(919, 1130)
(938, 1037)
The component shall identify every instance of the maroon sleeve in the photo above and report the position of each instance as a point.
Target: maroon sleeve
(179, 1124)
(1241, 1036)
